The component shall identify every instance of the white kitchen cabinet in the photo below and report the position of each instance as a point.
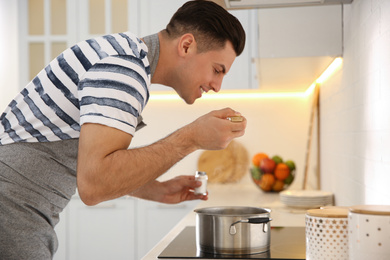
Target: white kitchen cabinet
(242, 74)
(61, 231)
(296, 45)
(154, 15)
(125, 228)
(155, 220)
(104, 231)
(307, 31)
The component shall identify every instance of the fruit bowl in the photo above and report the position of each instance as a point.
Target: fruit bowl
(272, 174)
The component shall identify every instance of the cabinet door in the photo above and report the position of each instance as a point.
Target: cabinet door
(155, 220)
(242, 74)
(61, 229)
(155, 17)
(105, 231)
(155, 14)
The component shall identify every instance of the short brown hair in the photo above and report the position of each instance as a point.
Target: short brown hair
(211, 25)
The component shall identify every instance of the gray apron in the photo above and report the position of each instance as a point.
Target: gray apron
(37, 181)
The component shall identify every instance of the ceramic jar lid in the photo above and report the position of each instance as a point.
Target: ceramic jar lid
(383, 210)
(328, 212)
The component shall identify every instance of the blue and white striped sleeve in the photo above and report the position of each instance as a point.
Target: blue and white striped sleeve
(113, 92)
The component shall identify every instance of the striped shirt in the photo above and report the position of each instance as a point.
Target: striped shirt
(103, 80)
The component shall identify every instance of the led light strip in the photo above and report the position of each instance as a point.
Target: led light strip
(251, 94)
(330, 70)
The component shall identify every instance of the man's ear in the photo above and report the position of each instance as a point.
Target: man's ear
(187, 44)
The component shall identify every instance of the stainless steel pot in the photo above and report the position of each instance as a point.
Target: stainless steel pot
(233, 230)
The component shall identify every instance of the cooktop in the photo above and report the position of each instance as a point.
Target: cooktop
(287, 243)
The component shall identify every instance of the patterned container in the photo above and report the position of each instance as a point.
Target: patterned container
(327, 234)
(369, 232)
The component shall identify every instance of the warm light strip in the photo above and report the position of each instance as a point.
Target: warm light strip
(233, 95)
(329, 71)
(310, 89)
(250, 94)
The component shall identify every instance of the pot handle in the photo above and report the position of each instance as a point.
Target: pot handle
(258, 220)
(263, 221)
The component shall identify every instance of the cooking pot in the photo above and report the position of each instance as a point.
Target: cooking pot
(233, 230)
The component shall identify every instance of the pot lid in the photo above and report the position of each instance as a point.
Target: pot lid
(371, 209)
(232, 211)
(338, 212)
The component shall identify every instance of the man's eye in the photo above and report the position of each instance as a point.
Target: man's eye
(216, 71)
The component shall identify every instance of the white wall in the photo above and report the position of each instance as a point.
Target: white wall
(9, 84)
(355, 110)
(275, 126)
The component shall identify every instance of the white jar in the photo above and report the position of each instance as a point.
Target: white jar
(202, 177)
(327, 234)
(369, 232)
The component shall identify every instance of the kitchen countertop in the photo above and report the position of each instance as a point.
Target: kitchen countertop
(239, 194)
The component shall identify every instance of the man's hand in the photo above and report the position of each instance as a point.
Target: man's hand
(176, 190)
(214, 131)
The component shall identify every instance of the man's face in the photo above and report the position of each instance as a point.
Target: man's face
(203, 72)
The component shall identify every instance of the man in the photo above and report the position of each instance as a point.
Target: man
(77, 117)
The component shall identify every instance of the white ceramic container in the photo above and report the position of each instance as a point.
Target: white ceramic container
(369, 232)
(327, 234)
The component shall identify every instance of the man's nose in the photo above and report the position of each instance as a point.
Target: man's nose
(217, 85)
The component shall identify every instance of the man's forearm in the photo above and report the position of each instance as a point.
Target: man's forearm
(124, 171)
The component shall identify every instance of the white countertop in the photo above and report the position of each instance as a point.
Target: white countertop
(236, 195)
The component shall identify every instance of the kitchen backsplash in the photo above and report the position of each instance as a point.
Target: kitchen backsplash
(275, 126)
(355, 110)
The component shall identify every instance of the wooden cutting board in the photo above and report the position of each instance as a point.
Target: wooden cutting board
(225, 166)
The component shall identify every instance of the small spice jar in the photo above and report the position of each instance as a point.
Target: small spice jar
(369, 232)
(327, 234)
(202, 177)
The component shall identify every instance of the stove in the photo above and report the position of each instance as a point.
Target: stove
(287, 243)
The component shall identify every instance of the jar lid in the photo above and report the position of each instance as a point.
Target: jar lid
(328, 212)
(371, 209)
